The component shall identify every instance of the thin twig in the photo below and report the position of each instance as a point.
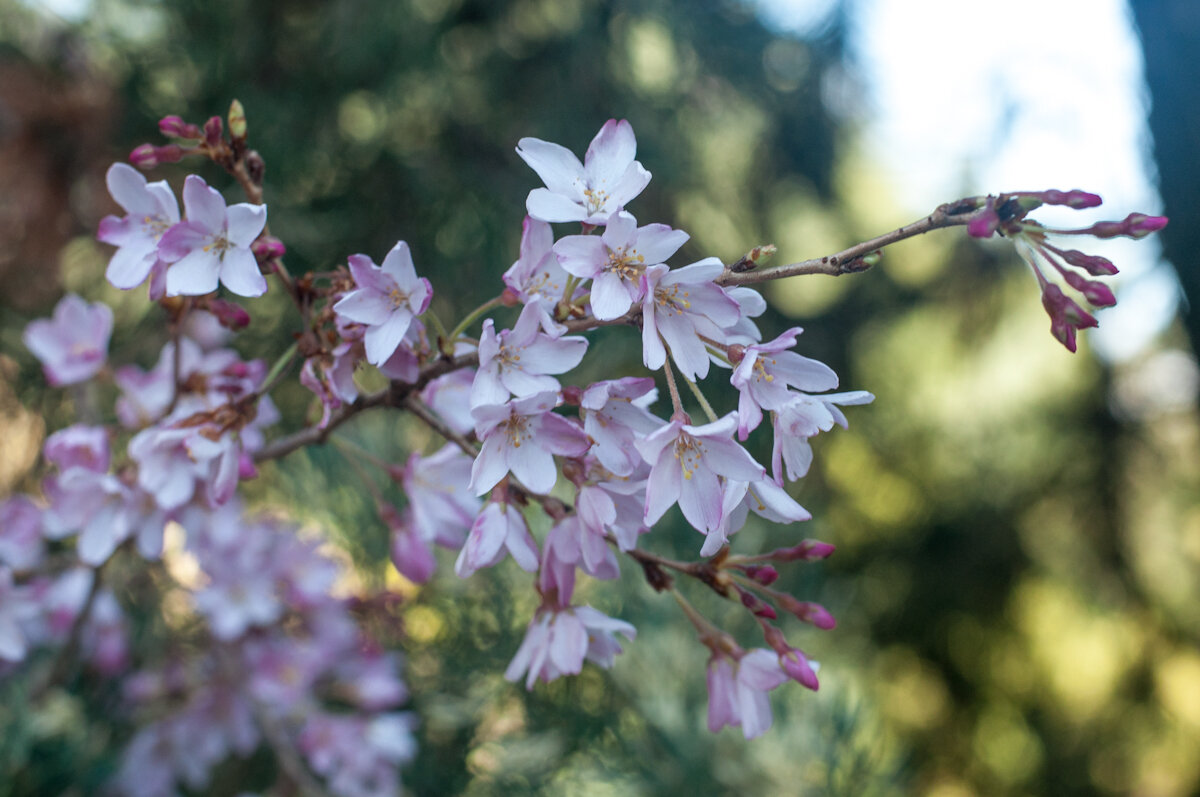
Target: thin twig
(849, 261)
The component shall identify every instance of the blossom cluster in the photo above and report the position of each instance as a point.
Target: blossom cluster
(597, 459)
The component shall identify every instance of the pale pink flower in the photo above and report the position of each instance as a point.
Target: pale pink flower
(386, 300)
(519, 361)
(765, 373)
(558, 641)
(499, 528)
(679, 306)
(737, 691)
(73, 344)
(21, 545)
(151, 209)
(591, 191)
(801, 418)
(764, 497)
(616, 260)
(687, 464)
(536, 276)
(522, 437)
(614, 416)
(213, 244)
(450, 397)
(441, 505)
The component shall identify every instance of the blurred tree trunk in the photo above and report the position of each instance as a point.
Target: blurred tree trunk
(1170, 33)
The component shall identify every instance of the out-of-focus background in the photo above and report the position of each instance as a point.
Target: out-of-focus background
(1017, 577)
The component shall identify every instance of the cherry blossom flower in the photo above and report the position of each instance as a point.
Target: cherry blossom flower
(801, 418)
(21, 544)
(536, 276)
(737, 691)
(386, 300)
(441, 506)
(679, 306)
(171, 460)
(498, 528)
(358, 755)
(764, 497)
(151, 209)
(522, 437)
(591, 191)
(765, 373)
(518, 361)
(213, 244)
(450, 397)
(686, 465)
(331, 377)
(558, 641)
(73, 344)
(616, 260)
(614, 416)
(410, 551)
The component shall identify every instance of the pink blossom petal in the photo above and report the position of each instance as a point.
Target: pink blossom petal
(398, 264)
(240, 274)
(245, 223)
(610, 152)
(204, 204)
(194, 275)
(558, 167)
(545, 205)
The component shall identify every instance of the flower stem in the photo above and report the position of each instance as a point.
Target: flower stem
(704, 405)
(278, 368)
(672, 388)
(471, 318)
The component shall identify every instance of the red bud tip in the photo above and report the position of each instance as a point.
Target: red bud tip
(737, 353)
(763, 574)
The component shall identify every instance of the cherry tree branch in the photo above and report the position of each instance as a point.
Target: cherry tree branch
(850, 261)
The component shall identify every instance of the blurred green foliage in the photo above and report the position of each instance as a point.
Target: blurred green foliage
(1018, 532)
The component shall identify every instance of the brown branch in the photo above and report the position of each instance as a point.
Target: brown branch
(67, 653)
(393, 396)
(850, 261)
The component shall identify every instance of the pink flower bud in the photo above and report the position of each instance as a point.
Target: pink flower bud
(143, 156)
(572, 395)
(757, 607)
(984, 222)
(175, 127)
(763, 574)
(267, 248)
(737, 353)
(1135, 225)
(1075, 198)
(1093, 264)
(812, 613)
(808, 551)
(229, 314)
(1097, 293)
(796, 665)
(246, 467)
(212, 131)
